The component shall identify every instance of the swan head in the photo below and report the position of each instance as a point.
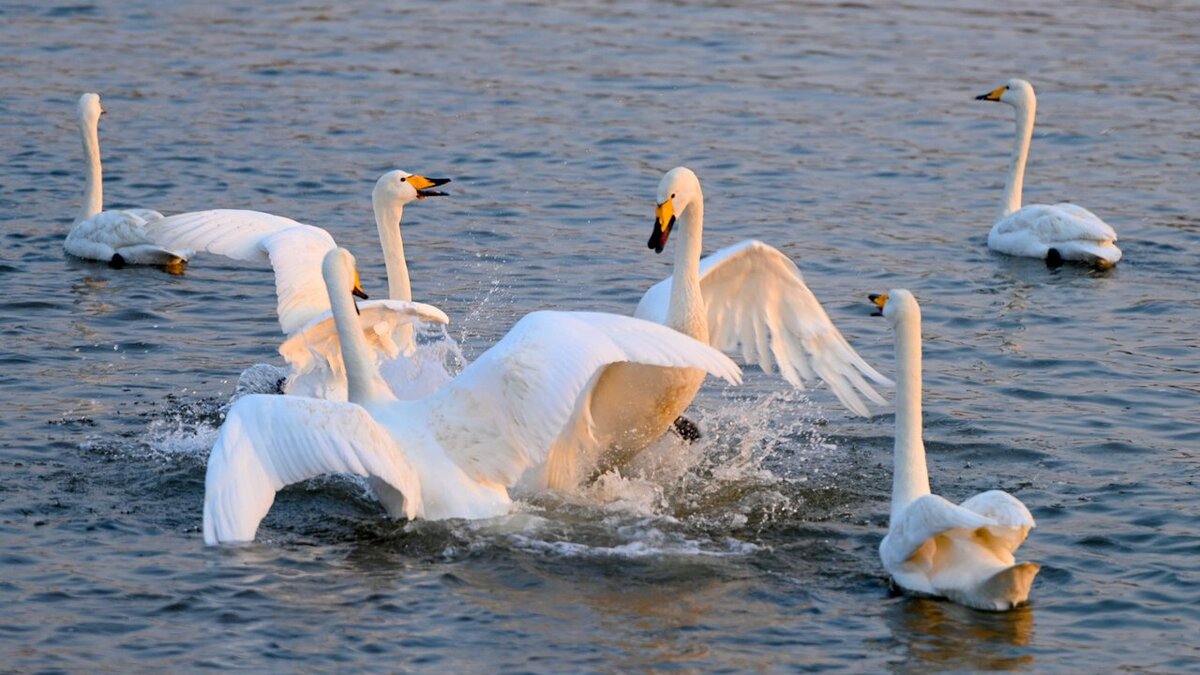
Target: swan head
(896, 305)
(89, 110)
(676, 192)
(341, 275)
(402, 187)
(1016, 92)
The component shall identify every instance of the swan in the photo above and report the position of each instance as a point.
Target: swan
(115, 237)
(1055, 232)
(748, 295)
(295, 251)
(964, 552)
(449, 455)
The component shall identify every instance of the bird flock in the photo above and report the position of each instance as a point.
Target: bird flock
(564, 397)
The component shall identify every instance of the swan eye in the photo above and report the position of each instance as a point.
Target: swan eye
(404, 179)
(672, 195)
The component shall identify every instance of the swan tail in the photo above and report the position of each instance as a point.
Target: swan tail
(149, 254)
(1102, 254)
(1007, 588)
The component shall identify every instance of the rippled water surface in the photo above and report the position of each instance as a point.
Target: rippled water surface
(845, 135)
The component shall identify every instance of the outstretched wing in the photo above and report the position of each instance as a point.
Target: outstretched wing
(295, 251)
(504, 412)
(314, 351)
(268, 442)
(924, 518)
(757, 300)
(1013, 520)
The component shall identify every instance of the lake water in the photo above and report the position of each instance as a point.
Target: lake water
(843, 134)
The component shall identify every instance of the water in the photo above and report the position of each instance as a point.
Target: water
(845, 135)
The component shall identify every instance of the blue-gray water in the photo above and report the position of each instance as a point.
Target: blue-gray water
(843, 134)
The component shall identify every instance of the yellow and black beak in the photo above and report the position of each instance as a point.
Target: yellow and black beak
(358, 292)
(993, 95)
(422, 184)
(879, 300)
(664, 220)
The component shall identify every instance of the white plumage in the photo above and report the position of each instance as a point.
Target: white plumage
(747, 297)
(111, 236)
(295, 252)
(465, 444)
(1054, 232)
(964, 552)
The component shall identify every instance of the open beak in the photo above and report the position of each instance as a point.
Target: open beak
(664, 220)
(422, 185)
(993, 95)
(879, 300)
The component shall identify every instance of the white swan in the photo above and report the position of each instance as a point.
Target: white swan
(450, 455)
(964, 552)
(295, 252)
(1054, 232)
(748, 295)
(115, 237)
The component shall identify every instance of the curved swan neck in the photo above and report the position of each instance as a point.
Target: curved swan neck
(93, 191)
(686, 311)
(1026, 111)
(910, 479)
(387, 218)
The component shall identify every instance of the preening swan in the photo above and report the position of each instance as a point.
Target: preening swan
(1054, 232)
(115, 237)
(295, 252)
(748, 295)
(449, 455)
(964, 552)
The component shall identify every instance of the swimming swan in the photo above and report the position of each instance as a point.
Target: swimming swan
(964, 552)
(1054, 232)
(449, 455)
(115, 237)
(295, 252)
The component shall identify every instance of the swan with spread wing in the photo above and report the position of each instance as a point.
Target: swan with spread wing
(295, 251)
(449, 455)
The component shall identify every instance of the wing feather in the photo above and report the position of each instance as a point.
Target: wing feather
(924, 518)
(757, 303)
(506, 410)
(268, 442)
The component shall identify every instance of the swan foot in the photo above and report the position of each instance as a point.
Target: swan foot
(1054, 259)
(117, 261)
(686, 429)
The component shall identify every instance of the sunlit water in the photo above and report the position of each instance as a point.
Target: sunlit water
(847, 136)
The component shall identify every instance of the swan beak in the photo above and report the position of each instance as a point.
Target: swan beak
(664, 220)
(880, 301)
(993, 95)
(422, 185)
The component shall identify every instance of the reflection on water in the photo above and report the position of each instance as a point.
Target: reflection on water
(943, 636)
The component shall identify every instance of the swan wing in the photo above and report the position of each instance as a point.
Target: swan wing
(314, 351)
(757, 301)
(505, 411)
(268, 442)
(293, 249)
(1056, 223)
(1012, 519)
(924, 518)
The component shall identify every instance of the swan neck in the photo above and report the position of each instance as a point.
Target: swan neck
(686, 312)
(387, 219)
(93, 191)
(1026, 110)
(363, 383)
(910, 479)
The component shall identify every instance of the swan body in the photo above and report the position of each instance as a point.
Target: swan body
(295, 252)
(449, 455)
(1054, 232)
(962, 552)
(113, 236)
(747, 297)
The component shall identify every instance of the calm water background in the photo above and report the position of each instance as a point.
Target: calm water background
(843, 134)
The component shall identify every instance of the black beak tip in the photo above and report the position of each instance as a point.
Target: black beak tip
(981, 97)
(360, 294)
(873, 297)
(877, 313)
